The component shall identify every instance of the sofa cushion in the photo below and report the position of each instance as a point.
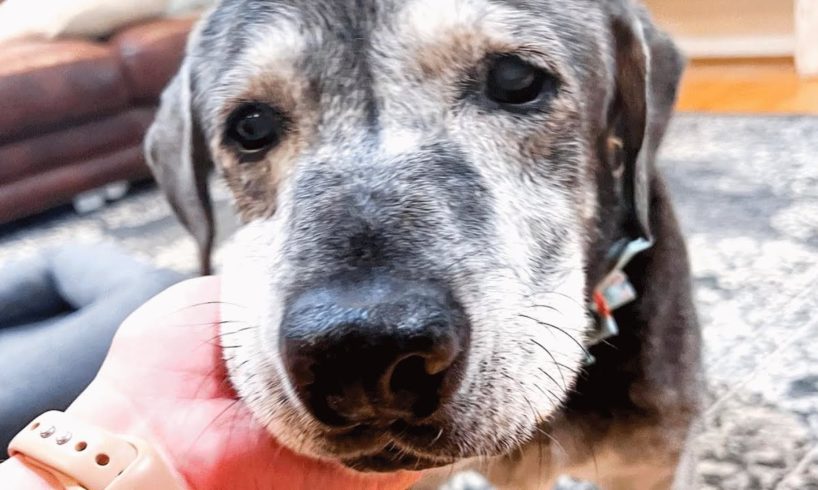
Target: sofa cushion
(58, 186)
(48, 83)
(81, 18)
(43, 152)
(151, 54)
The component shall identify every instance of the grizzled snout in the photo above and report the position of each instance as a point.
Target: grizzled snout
(374, 350)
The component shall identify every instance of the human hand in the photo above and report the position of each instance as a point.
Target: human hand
(164, 380)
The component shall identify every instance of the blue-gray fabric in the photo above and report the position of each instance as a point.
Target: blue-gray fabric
(58, 313)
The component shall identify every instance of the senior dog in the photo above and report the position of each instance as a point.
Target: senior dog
(456, 246)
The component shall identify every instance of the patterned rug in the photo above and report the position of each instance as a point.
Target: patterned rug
(746, 189)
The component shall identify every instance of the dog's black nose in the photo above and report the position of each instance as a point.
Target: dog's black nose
(374, 351)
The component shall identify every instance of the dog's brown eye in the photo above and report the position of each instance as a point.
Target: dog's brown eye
(255, 127)
(512, 81)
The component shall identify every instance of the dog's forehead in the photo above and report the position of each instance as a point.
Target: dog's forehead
(335, 48)
(332, 15)
(267, 32)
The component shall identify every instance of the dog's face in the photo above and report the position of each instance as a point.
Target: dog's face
(419, 182)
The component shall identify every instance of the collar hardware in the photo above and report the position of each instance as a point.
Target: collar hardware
(613, 292)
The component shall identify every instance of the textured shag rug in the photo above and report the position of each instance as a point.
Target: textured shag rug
(746, 189)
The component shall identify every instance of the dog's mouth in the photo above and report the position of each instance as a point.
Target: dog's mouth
(399, 446)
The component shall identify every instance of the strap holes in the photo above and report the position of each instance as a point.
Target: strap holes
(103, 459)
(80, 447)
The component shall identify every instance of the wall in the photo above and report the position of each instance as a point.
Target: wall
(729, 28)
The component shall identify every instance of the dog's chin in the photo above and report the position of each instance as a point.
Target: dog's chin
(392, 459)
(389, 449)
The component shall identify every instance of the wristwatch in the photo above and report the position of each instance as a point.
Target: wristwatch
(84, 457)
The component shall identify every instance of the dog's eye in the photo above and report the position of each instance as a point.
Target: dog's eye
(255, 127)
(513, 82)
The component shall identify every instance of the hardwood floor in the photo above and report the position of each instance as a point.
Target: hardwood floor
(747, 86)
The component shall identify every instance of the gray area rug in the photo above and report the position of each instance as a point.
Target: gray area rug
(746, 189)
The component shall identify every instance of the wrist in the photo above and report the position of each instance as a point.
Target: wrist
(17, 474)
(106, 408)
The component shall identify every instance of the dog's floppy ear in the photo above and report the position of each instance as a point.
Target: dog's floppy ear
(178, 156)
(648, 70)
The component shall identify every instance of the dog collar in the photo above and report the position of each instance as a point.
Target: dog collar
(614, 290)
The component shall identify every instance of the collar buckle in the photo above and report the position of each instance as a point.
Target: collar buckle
(613, 291)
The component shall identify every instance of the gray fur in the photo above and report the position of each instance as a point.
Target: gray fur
(392, 161)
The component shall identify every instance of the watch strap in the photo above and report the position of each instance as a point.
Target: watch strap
(84, 456)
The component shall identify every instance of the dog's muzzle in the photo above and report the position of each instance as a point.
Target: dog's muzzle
(374, 350)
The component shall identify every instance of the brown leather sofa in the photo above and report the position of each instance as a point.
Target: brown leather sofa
(73, 112)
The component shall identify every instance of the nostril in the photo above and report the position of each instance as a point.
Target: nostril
(409, 375)
(414, 386)
(319, 404)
